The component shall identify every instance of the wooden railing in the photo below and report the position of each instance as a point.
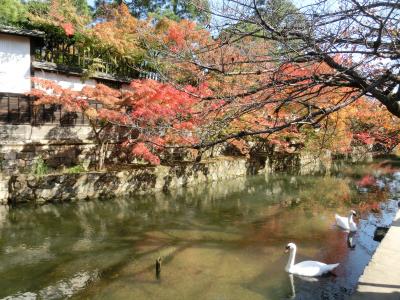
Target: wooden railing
(20, 109)
(76, 57)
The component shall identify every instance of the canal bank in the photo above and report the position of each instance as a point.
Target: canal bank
(66, 187)
(381, 278)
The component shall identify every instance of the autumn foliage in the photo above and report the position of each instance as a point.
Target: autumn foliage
(152, 114)
(211, 93)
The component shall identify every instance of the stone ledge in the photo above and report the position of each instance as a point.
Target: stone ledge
(381, 278)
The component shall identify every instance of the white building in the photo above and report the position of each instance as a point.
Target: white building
(27, 131)
(15, 61)
(23, 55)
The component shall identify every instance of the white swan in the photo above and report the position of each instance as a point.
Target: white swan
(346, 223)
(306, 268)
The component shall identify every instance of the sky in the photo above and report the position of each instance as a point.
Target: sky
(217, 4)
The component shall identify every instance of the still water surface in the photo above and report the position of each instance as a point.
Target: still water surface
(218, 241)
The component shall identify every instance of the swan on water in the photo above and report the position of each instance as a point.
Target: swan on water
(347, 223)
(306, 268)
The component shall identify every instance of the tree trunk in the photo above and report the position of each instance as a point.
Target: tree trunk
(102, 155)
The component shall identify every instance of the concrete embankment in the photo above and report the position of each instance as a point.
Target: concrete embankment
(381, 278)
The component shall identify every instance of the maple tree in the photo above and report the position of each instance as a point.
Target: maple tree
(299, 75)
(55, 14)
(143, 118)
(173, 9)
(121, 32)
(244, 86)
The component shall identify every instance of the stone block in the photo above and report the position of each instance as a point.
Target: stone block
(26, 155)
(29, 148)
(21, 163)
(11, 155)
(48, 194)
(4, 190)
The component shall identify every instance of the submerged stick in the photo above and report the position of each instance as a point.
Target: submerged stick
(158, 267)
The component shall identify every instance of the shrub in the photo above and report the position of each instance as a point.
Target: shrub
(75, 169)
(39, 167)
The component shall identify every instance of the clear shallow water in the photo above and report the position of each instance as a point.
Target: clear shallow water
(218, 241)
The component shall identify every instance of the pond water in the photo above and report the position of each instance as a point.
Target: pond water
(222, 240)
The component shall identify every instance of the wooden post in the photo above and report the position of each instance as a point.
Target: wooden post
(158, 267)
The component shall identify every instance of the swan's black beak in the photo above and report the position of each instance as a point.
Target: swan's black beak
(287, 249)
(354, 214)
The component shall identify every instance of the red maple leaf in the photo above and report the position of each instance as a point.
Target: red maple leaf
(68, 28)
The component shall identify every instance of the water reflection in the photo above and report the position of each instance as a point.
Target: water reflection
(306, 285)
(293, 289)
(217, 240)
(350, 240)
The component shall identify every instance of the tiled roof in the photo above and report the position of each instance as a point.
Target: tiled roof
(21, 31)
(76, 71)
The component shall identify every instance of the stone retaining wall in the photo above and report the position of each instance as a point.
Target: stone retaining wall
(20, 158)
(64, 146)
(58, 145)
(22, 188)
(4, 189)
(91, 185)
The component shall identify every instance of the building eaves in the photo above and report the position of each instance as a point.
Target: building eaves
(76, 71)
(21, 31)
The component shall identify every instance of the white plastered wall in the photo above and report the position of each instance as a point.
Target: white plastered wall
(15, 64)
(70, 82)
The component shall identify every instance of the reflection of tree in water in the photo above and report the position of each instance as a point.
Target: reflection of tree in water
(192, 226)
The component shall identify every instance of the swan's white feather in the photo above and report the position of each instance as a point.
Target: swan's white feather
(311, 268)
(308, 268)
(342, 222)
(346, 223)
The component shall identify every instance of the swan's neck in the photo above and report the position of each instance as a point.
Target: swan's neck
(290, 262)
(352, 224)
(351, 221)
